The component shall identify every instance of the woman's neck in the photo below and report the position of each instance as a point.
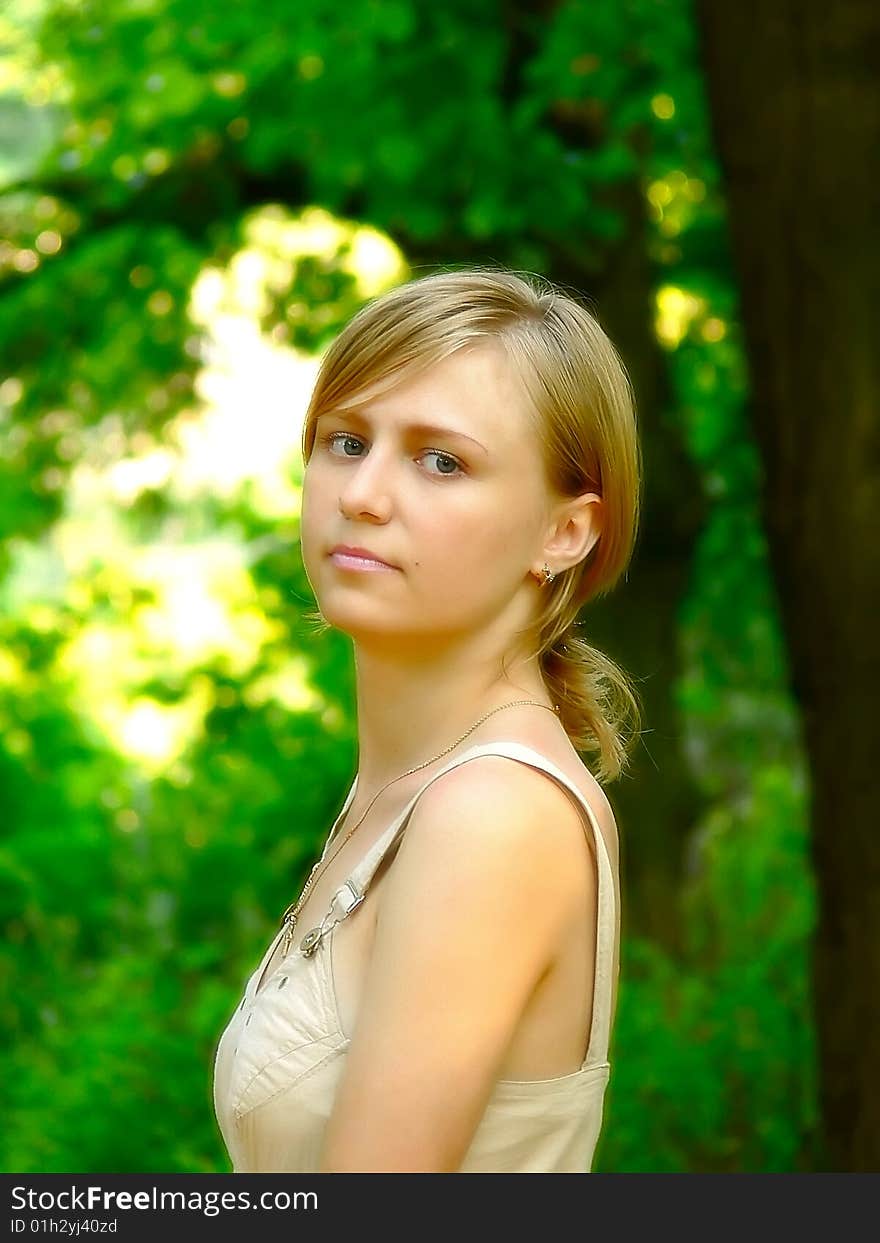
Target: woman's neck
(407, 717)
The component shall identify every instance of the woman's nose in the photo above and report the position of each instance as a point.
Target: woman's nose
(367, 487)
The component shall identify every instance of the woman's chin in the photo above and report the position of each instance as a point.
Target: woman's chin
(358, 618)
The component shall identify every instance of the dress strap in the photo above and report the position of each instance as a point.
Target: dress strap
(352, 892)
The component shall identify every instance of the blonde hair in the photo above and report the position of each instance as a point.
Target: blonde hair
(583, 409)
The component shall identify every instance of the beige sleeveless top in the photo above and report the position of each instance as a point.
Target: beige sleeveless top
(280, 1058)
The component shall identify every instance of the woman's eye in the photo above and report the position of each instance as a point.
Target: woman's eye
(445, 458)
(336, 436)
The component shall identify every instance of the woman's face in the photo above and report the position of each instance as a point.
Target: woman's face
(459, 513)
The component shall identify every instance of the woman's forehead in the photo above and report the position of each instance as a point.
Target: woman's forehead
(471, 393)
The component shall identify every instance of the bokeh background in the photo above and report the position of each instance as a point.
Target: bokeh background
(193, 200)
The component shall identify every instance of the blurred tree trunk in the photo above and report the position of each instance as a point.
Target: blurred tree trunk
(795, 99)
(657, 802)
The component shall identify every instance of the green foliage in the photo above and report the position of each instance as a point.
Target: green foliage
(715, 1066)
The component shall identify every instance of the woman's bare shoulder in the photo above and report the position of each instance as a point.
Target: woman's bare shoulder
(521, 807)
(487, 776)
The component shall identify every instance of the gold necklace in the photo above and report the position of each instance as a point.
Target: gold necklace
(289, 918)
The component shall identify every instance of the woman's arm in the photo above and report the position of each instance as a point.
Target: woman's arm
(473, 909)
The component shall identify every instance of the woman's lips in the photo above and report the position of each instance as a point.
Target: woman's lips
(348, 561)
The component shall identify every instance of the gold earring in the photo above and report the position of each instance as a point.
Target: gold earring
(546, 575)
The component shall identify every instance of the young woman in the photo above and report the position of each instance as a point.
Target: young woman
(442, 994)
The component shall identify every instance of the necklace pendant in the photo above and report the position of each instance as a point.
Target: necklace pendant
(290, 923)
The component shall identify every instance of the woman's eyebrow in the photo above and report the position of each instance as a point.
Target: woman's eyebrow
(431, 429)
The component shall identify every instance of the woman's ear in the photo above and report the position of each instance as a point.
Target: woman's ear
(577, 530)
